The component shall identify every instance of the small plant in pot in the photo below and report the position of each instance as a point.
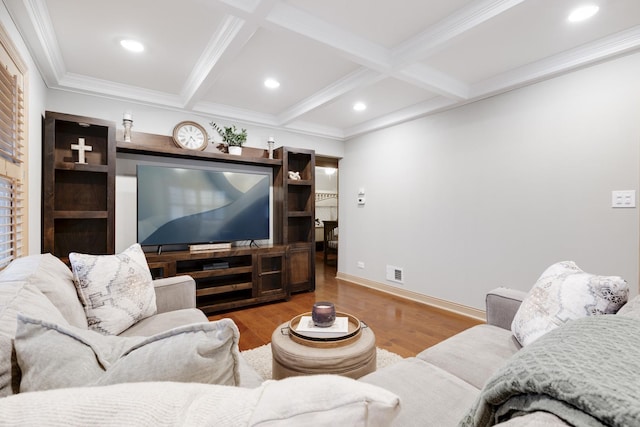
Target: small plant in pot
(232, 137)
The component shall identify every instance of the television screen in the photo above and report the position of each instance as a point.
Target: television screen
(190, 206)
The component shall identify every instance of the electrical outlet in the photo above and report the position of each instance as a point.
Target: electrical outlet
(360, 264)
(623, 199)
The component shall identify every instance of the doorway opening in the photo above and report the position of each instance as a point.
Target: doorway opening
(326, 214)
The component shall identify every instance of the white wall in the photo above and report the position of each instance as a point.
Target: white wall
(35, 102)
(161, 121)
(492, 193)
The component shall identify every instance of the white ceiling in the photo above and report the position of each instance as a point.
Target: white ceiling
(403, 58)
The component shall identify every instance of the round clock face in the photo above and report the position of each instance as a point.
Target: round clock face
(190, 135)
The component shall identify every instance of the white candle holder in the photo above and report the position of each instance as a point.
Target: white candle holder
(127, 123)
(270, 144)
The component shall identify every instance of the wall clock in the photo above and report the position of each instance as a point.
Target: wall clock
(190, 135)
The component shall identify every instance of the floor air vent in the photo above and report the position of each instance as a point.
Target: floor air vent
(395, 274)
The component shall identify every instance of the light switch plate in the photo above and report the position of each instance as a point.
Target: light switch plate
(623, 199)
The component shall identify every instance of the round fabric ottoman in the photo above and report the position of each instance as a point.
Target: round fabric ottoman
(352, 360)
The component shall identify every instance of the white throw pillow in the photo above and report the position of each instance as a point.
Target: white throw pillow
(631, 308)
(317, 400)
(116, 290)
(16, 298)
(51, 356)
(55, 281)
(562, 293)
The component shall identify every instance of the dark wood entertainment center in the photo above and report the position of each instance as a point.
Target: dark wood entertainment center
(225, 279)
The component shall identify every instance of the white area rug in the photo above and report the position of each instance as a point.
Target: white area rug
(259, 358)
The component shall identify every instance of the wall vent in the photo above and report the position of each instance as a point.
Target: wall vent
(395, 274)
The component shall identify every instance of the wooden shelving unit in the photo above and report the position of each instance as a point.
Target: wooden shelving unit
(228, 279)
(79, 213)
(78, 200)
(295, 207)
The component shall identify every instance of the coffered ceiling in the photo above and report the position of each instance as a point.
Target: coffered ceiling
(402, 58)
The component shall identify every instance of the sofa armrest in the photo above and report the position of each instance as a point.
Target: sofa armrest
(175, 293)
(502, 305)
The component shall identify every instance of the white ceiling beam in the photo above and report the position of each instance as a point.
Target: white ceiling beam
(433, 80)
(354, 47)
(223, 47)
(227, 42)
(602, 49)
(359, 50)
(438, 35)
(617, 44)
(247, 6)
(359, 78)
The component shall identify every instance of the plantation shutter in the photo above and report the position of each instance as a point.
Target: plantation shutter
(12, 152)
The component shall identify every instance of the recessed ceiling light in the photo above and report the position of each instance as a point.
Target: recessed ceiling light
(359, 106)
(272, 83)
(132, 45)
(583, 12)
(330, 171)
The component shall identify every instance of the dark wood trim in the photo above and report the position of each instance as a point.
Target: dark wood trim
(162, 145)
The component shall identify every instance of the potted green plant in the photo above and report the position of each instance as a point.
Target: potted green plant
(232, 137)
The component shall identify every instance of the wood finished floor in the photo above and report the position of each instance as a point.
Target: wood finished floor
(402, 326)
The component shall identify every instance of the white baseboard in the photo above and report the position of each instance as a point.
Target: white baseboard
(414, 296)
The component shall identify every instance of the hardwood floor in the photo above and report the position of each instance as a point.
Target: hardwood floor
(401, 326)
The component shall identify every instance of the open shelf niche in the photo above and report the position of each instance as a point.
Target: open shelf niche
(78, 199)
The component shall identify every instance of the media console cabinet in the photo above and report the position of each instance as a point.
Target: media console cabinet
(230, 278)
(79, 211)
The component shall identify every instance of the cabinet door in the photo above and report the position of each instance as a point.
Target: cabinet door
(272, 274)
(301, 267)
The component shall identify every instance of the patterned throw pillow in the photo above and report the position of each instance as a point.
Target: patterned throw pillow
(564, 292)
(116, 290)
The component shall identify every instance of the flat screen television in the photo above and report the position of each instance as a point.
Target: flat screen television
(183, 206)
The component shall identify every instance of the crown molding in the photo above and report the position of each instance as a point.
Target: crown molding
(400, 116)
(93, 86)
(600, 50)
(266, 120)
(32, 19)
(402, 63)
(314, 129)
(235, 113)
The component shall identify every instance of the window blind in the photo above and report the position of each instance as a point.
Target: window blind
(11, 226)
(13, 212)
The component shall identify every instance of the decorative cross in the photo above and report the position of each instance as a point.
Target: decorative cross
(81, 149)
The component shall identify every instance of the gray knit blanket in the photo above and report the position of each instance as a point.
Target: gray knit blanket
(586, 372)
